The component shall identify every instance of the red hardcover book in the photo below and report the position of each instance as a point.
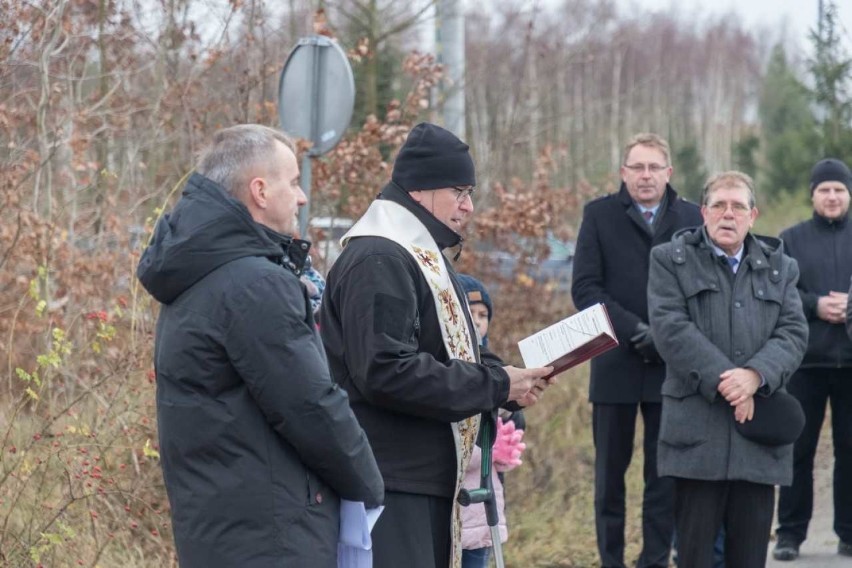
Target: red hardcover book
(571, 341)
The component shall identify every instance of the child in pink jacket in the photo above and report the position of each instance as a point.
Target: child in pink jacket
(476, 534)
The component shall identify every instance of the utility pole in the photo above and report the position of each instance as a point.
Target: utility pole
(820, 14)
(449, 44)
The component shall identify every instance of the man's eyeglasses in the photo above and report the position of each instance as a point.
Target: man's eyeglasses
(640, 168)
(463, 192)
(719, 208)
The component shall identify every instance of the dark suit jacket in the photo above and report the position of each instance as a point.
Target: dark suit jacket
(611, 266)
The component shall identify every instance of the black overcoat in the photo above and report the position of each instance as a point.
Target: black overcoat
(611, 266)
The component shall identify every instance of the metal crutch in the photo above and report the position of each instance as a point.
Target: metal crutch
(485, 493)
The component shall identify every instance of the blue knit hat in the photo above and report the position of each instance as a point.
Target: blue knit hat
(476, 292)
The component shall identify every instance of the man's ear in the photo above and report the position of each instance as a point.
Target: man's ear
(257, 192)
(417, 196)
(754, 215)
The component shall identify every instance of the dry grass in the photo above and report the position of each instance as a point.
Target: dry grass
(550, 497)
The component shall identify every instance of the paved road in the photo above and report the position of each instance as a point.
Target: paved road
(820, 549)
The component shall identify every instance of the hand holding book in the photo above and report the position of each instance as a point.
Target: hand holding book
(527, 385)
(571, 341)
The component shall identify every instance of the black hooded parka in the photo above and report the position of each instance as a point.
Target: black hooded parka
(257, 443)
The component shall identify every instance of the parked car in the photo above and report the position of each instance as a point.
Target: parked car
(554, 270)
(326, 233)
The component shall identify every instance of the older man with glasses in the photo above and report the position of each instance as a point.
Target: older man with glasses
(727, 318)
(399, 338)
(611, 266)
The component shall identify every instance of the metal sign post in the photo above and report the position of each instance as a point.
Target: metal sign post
(316, 96)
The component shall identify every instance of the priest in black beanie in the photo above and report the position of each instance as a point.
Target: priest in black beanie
(822, 245)
(431, 158)
(400, 340)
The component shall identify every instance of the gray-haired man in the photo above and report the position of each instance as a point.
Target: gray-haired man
(257, 443)
(728, 321)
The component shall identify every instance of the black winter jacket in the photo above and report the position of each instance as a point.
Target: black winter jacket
(382, 337)
(823, 250)
(256, 441)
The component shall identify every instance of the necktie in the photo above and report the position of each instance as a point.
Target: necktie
(732, 262)
(648, 216)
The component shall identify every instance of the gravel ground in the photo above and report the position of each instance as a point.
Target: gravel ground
(820, 549)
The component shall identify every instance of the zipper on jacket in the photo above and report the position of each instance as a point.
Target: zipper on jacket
(416, 333)
(834, 278)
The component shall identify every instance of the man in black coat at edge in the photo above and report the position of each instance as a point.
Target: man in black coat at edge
(393, 330)
(822, 246)
(257, 443)
(611, 267)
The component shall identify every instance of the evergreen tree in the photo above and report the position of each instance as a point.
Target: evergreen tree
(689, 172)
(384, 26)
(745, 150)
(831, 69)
(789, 130)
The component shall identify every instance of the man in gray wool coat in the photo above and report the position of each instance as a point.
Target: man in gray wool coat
(727, 319)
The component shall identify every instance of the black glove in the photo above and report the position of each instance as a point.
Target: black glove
(643, 342)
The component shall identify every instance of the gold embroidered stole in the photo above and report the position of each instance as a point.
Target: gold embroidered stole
(394, 222)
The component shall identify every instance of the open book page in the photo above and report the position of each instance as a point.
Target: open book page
(571, 341)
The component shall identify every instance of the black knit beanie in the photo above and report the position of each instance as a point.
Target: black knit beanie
(831, 170)
(432, 158)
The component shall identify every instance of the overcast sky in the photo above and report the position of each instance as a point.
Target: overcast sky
(796, 16)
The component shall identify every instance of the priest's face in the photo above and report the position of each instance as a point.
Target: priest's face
(452, 206)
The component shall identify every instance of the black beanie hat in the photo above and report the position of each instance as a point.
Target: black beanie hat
(831, 170)
(476, 292)
(432, 158)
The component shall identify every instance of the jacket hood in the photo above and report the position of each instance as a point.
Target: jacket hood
(207, 229)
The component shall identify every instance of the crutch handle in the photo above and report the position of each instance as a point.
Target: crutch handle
(470, 496)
